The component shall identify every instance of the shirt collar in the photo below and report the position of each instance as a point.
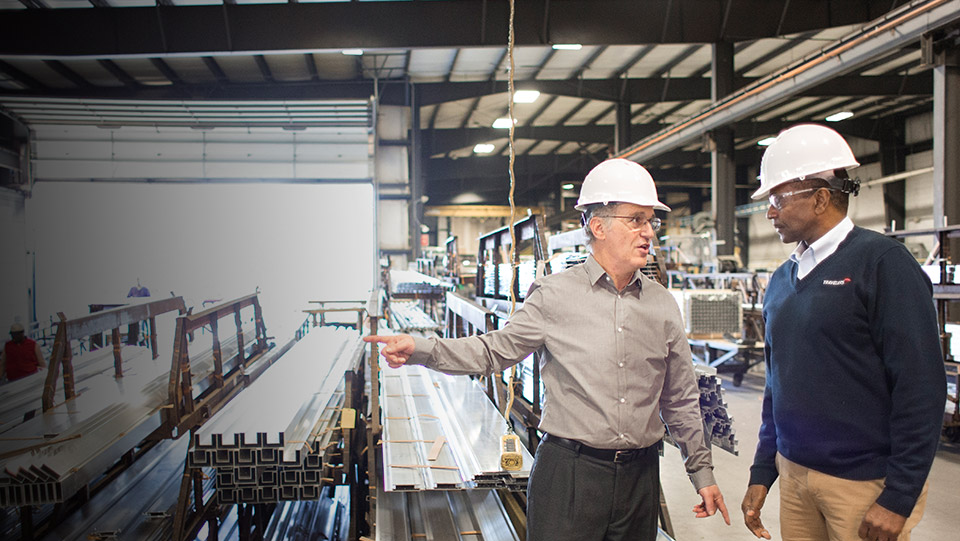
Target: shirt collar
(595, 273)
(824, 247)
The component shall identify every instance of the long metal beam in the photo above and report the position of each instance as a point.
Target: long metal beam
(637, 90)
(890, 32)
(166, 30)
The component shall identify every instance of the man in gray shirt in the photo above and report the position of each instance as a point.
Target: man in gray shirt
(615, 365)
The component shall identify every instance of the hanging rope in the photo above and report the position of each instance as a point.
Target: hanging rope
(513, 209)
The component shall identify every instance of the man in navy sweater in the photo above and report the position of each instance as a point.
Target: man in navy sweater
(855, 387)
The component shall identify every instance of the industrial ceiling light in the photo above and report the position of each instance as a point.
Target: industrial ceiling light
(352, 52)
(483, 148)
(837, 117)
(567, 186)
(567, 46)
(503, 123)
(525, 96)
(766, 142)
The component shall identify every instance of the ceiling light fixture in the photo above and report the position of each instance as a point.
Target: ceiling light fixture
(567, 46)
(483, 148)
(567, 186)
(352, 52)
(503, 123)
(837, 117)
(525, 96)
(766, 142)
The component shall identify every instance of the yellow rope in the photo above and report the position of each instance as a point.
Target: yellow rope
(513, 209)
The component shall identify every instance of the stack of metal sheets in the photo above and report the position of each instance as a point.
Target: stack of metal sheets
(412, 282)
(442, 433)
(442, 516)
(408, 316)
(267, 454)
(48, 458)
(21, 399)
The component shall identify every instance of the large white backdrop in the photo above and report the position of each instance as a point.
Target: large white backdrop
(296, 242)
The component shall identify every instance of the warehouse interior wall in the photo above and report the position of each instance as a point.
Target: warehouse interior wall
(14, 261)
(293, 242)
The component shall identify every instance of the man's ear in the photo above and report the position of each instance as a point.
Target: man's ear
(822, 201)
(598, 227)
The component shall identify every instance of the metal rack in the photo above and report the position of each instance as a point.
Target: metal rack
(946, 291)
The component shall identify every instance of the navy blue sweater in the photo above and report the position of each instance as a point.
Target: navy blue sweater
(855, 380)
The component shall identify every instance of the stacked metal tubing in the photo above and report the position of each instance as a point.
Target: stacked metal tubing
(48, 458)
(135, 505)
(408, 316)
(717, 423)
(282, 452)
(420, 406)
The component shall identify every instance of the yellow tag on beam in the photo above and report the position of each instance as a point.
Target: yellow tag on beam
(348, 418)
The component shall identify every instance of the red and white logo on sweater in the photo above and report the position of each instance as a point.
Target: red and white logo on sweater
(843, 282)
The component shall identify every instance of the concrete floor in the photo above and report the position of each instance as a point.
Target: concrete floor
(941, 520)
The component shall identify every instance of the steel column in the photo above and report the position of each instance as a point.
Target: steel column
(946, 142)
(621, 139)
(723, 171)
(893, 160)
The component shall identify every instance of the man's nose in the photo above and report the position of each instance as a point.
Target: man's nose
(771, 212)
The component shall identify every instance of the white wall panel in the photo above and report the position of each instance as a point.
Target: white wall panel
(394, 225)
(85, 152)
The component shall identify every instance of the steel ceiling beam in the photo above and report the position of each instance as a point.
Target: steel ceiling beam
(640, 90)
(256, 28)
(894, 30)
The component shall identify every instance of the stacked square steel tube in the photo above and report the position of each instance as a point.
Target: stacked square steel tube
(276, 440)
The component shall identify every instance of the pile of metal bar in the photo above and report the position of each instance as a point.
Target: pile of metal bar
(442, 433)
(327, 518)
(281, 452)
(412, 282)
(50, 457)
(21, 399)
(717, 423)
(442, 516)
(136, 505)
(408, 316)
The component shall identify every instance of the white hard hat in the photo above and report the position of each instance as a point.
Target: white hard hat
(619, 181)
(802, 151)
(16, 327)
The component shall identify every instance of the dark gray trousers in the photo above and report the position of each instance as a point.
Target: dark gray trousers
(575, 497)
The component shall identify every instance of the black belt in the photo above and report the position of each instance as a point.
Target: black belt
(610, 455)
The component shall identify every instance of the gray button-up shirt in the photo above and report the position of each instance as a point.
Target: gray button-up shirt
(613, 364)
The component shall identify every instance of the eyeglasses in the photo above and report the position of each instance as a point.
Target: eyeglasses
(636, 223)
(776, 200)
